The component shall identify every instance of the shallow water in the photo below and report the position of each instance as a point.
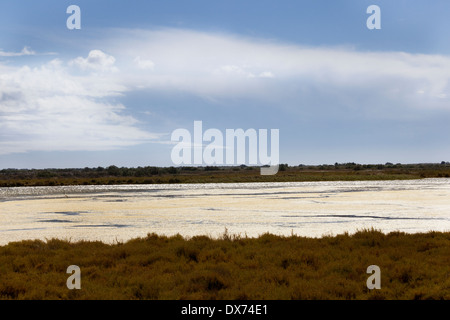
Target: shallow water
(314, 209)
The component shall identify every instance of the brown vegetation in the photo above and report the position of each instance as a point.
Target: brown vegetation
(413, 266)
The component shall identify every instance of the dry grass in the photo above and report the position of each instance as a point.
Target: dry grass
(413, 266)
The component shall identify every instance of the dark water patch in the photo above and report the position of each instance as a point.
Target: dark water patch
(301, 198)
(361, 189)
(24, 229)
(55, 220)
(71, 213)
(177, 196)
(67, 213)
(200, 222)
(299, 193)
(250, 194)
(352, 216)
(102, 225)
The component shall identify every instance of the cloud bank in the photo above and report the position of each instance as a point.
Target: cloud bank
(48, 108)
(225, 65)
(71, 103)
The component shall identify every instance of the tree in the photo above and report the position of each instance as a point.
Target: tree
(113, 170)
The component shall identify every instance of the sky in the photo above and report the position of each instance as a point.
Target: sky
(113, 92)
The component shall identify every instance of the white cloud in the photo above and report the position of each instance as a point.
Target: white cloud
(47, 108)
(144, 63)
(266, 74)
(26, 51)
(233, 70)
(222, 65)
(97, 60)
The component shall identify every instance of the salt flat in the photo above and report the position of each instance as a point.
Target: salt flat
(313, 209)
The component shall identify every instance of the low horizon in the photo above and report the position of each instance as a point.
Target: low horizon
(236, 166)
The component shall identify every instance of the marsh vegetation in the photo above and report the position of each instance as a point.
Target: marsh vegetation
(413, 266)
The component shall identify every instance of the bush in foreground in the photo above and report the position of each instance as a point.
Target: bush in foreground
(413, 266)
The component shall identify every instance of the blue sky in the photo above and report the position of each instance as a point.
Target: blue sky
(113, 92)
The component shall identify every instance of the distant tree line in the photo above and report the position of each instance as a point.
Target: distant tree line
(387, 165)
(149, 171)
(111, 171)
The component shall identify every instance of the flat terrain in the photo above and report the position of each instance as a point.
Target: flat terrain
(413, 266)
